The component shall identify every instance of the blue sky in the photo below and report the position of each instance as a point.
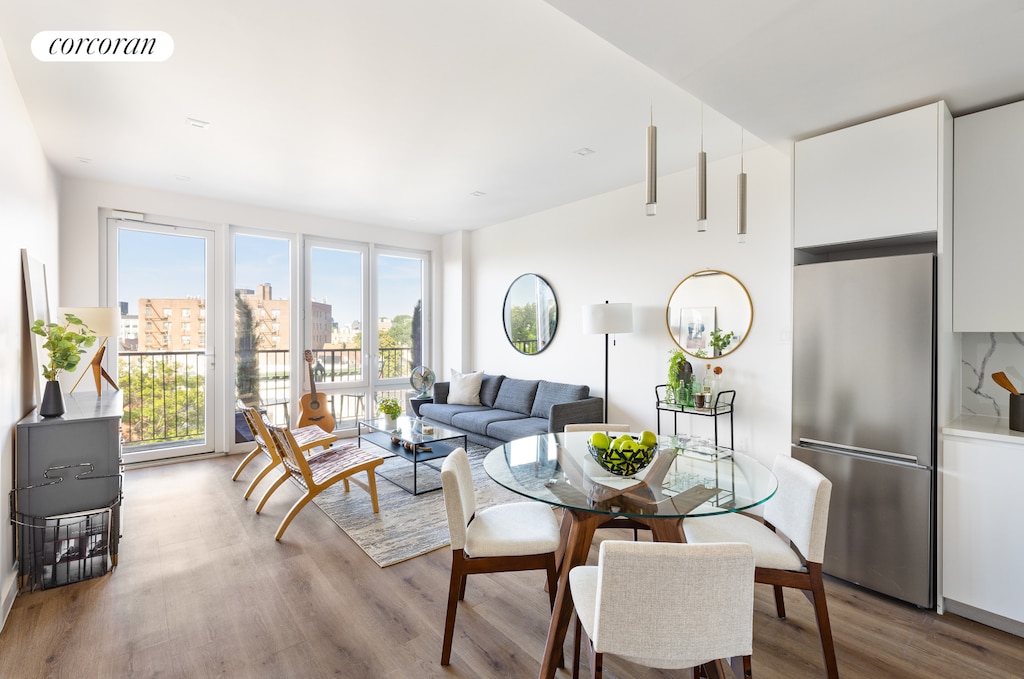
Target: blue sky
(164, 265)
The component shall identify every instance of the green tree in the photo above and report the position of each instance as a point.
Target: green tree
(417, 335)
(164, 402)
(247, 371)
(401, 330)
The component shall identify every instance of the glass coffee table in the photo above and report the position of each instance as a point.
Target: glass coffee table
(414, 440)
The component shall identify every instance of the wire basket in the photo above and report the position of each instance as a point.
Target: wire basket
(59, 550)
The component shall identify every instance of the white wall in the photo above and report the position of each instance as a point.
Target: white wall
(604, 248)
(28, 219)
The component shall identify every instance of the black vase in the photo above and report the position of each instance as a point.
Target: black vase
(53, 400)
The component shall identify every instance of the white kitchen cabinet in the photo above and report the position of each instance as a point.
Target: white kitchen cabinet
(988, 237)
(877, 180)
(982, 549)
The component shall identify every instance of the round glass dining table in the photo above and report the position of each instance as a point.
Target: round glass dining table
(686, 477)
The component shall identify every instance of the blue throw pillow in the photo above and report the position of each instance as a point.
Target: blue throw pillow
(516, 395)
(550, 393)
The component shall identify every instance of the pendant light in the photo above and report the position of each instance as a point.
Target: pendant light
(652, 167)
(741, 198)
(702, 179)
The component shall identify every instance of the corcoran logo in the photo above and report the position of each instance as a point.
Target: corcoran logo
(102, 46)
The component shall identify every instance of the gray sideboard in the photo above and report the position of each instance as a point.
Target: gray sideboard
(68, 465)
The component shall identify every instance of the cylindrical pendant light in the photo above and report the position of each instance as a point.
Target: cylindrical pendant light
(741, 199)
(652, 167)
(702, 179)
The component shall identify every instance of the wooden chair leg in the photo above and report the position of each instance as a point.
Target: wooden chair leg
(780, 602)
(456, 585)
(292, 513)
(828, 649)
(596, 662)
(371, 488)
(248, 458)
(270, 491)
(259, 477)
(552, 584)
(576, 649)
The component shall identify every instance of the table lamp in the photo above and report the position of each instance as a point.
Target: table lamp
(607, 319)
(105, 322)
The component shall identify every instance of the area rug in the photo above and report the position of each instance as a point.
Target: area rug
(407, 525)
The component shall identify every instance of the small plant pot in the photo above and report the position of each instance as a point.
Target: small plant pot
(52, 404)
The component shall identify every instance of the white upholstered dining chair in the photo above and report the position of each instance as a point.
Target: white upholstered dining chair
(665, 605)
(597, 426)
(799, 511)
(515, 536)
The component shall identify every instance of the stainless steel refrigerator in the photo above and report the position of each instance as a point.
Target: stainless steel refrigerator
(864, 415)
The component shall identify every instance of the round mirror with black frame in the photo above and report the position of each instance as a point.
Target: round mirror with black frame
(709, 314)
(530, 314)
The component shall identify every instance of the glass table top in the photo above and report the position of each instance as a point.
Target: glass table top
(412, 430)
(686, 477)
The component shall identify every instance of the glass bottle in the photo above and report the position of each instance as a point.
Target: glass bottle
(707, 386)
(686, 381)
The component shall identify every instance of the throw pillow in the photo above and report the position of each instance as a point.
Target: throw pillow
(516, 395)
(464, 389)
(550, 393)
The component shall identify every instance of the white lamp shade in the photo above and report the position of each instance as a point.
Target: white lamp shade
(608, 319)
(104, 321)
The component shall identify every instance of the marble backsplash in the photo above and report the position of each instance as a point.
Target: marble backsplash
(983, 354)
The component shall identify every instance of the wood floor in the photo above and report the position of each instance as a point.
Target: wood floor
(203, 590)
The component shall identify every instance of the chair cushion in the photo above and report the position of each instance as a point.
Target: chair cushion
(516, 395)
(464, 388)
(550, 393)
(444, 412)
(478, 421)
(512, 429)
(770, 550)
(583, 585)
(513, 529)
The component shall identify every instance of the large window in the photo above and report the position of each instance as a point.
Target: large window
(263, 348)
(366, 324)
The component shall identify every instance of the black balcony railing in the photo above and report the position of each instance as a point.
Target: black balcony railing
(164, 396)
(165, 392)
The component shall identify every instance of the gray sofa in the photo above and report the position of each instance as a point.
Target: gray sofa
(513, 408)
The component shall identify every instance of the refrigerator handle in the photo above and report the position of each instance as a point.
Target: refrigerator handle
(841, 448)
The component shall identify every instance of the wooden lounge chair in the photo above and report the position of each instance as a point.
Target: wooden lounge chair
(307, 438)
(340, 462)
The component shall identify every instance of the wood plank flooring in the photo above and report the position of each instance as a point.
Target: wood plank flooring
(203, 590)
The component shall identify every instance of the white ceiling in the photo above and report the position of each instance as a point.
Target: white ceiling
(396, 112)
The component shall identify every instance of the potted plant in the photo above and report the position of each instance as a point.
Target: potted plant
(678, 375)
(66, 347)
(390, 408)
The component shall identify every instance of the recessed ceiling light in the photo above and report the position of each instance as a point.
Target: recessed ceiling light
(196, 122)
(478, 194)
(584, 151)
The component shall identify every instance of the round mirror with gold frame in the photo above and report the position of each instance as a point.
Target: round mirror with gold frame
(530, 314)
(709, 314)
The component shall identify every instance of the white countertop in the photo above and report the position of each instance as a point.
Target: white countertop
(983, 427)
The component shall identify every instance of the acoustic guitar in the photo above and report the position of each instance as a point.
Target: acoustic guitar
(312, 408)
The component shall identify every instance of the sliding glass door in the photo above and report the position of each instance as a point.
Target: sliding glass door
(161, 277)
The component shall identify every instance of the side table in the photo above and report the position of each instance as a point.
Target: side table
(416, 401)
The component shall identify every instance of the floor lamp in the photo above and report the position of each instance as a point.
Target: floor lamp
(607, 319)
(105, 322)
